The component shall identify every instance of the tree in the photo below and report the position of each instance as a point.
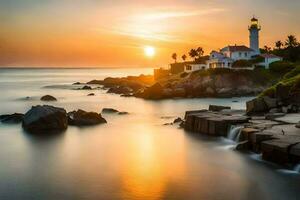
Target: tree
(291, 41)
(267, 49)
(200, 51)
(193, 53)
(183, 57)
(278, 44)
(174, 56)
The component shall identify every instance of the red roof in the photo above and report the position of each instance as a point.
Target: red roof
(239, 48)
(267, 55)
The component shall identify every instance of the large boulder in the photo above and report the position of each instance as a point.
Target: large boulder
(256, 106)
(83, 118)
(48, 98)
(154, 92)
(12, 119)
(45, 118)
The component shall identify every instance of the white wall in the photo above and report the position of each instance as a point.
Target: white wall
(241, 55)
(268, 61)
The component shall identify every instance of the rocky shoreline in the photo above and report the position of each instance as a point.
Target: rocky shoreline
(223, 84)
(276, 137)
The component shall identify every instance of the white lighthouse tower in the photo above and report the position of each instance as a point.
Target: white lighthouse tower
(254, 29)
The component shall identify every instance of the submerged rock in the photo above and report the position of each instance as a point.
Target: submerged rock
(123, 113)
(83, 118)
(177, 120)
(298, 125)
(45, 118)
(91, 94)
(48, 98)
(76, 83)
(109, 110)
(12, 119)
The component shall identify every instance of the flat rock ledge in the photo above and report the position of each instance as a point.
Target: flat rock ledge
(276, 138)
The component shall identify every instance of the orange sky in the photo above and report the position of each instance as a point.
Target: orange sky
(95, 33)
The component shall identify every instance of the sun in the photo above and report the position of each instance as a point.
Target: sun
(149, 51)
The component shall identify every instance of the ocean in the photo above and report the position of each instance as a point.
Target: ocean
(133, 156)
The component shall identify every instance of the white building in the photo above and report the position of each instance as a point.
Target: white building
(219, 60)
(268, 59)
(228, 55)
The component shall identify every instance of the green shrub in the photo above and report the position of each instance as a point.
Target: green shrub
(242, 63)
(257, 59)
(281, 67)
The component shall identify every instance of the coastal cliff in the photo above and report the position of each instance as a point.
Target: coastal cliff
(202, 83)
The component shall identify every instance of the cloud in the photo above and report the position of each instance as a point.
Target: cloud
(178, 14)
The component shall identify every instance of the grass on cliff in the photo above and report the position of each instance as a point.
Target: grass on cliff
(291, 79)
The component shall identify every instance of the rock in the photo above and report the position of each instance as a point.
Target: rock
(178, 92)
(272, 116)
(256, 106)
(76, 83)
(209, 91)
(48, 98)
(182, 124)
(96, 82)
(123, 113)
(242, 146)
(120, 90)
(91, 94)
(282, 92)
(168, 124)
(45, 118)
(298, 125)
(126, 95)
(247, 133)
(177, 120)
(86, 87)
(270, 102)
(83, 118)
(217, 108)
(153, 92)
(109, 110)
(12, 119)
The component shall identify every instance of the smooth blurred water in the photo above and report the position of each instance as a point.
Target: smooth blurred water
(131, 157)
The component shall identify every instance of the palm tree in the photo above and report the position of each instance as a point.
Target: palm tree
(278, 44)
(183, 57)
(174, 56)
(267, 49)
(291, 41)
(200, 51)
(193, 53)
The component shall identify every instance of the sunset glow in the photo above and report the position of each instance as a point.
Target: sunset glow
(149, 51)
(103, 33)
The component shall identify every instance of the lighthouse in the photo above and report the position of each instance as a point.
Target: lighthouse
(254, 29)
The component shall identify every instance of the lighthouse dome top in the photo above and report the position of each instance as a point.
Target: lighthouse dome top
(254, 19)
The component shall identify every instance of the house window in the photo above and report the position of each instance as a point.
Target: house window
(188, 67)
(240, 54)
(246, 54)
